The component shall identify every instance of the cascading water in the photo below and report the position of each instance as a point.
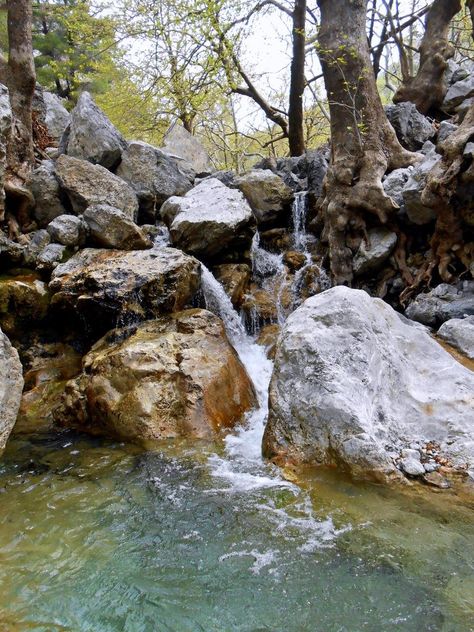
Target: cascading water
(299, 210)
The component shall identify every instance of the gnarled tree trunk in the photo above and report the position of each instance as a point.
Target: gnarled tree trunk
(427, 88)
(363, 143)
(18, 74)
(297, 81)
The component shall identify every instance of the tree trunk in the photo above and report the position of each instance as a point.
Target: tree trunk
(18, 74)
(363, 143)
(297, 81)
(427, 88)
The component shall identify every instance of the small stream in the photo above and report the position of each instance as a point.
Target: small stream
(103, 537)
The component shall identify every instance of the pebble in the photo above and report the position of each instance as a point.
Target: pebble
(436, 480)
(412, 466)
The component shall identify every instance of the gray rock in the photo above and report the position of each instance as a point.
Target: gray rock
(267, 194)
(111, 228)
(317, 166)
(457, 93)
(355, 382)
(47, 194)
(11, 388)
(39, 239)
(381, 245)
(11, 253)
(87, 184)
(446, 128)
(412, 466)
(68, 230)
(154, 176)
(179, 142)
(418, 212)
(459, 73)
(463, 109)
(5, 131)
(103, 289)
(226, 177)
(443, 303)
(209, 220)
(50, 257)
(459, 332)
(412, 128)
(91, 136)
(394, 183)
(57, 118)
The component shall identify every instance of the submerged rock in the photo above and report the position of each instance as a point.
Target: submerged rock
(443, 303)
(87, 184)
(355, 384)
(154, 176)
(459, 332)
(177, 376)
(108, 287)
(11, 387)
(209, 220)
(91, 136)
(267, 194)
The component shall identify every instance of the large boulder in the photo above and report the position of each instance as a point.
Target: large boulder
(411, 127)
(56, 117)
(209, 220)
(267, 194)
(459, 332)
(109, 227)
(91, 136)
(442, 303)
(87, 184)
(154, 176)
(49, 202)
(356, 385)
(179, 142)
(11, 387)
(177, 376)
(106, 288)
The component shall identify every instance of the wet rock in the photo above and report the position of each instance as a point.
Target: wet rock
(104, 288)
(24, 302)
(459, 332)
(442, 303)
(235, 279)
(91, 136)
(435, 479)
(294, 260)
(209, 220)
(154, 176)
(267, 194)
(395, 182)
(56, 117)
(50, 257)
(48, 368)
(11, 386)
(87, 184)
(46, 191)
(457, 93)
(268, 337)
(67, 230)
(412, 466)
(179, 142)
(371, 257)
(109, 227)
(177, 376)
(412, 128)
(418, 212)
(11, 253)
(276, 240)
(355, 382)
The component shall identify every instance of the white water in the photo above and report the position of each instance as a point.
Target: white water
(299, 210)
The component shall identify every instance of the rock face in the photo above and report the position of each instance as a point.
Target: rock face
(267, 194)
(177, 376)
(355, 384)
(57, 118)
(459, 332)
(370, 258)
(47, 194)
(154, 176)
(67, 230)
(91, 136)
(209, 219)
(11, 387)
(179, 142)
(106, 288)
(109, 227)
(412, 128)
(444, 302)
(87, 184)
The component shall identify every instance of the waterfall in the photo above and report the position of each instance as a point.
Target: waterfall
(299, 210)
